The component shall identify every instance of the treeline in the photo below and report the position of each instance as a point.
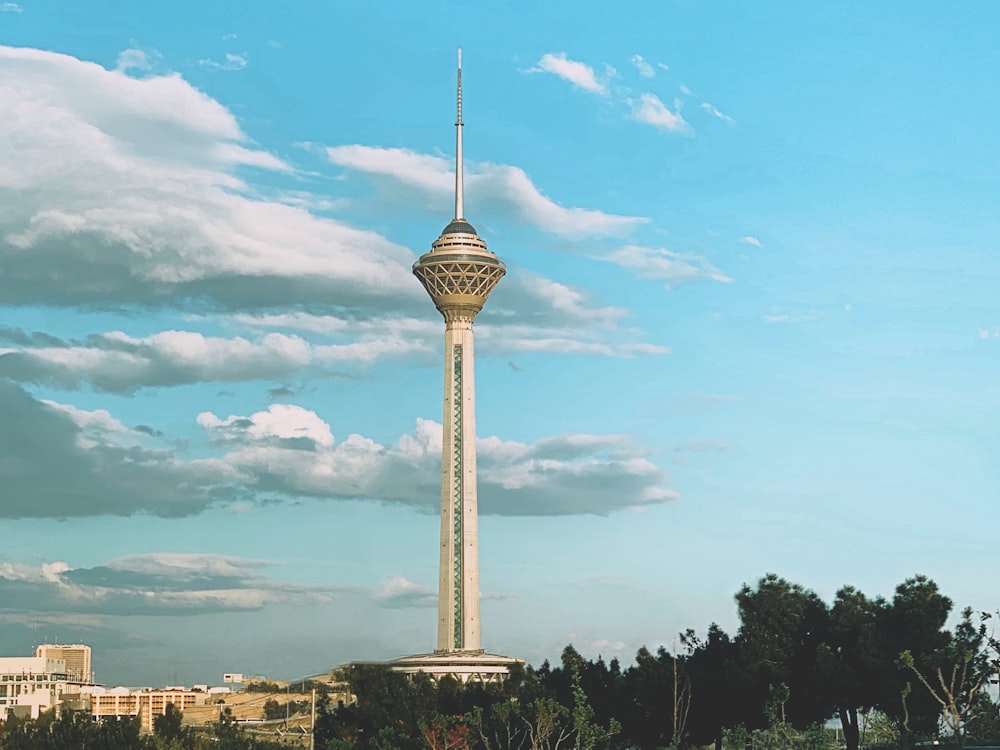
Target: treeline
(888, 670)
(76, 730)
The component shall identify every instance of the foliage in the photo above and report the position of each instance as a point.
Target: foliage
(889, 670)
(961, 670)
(75, 730)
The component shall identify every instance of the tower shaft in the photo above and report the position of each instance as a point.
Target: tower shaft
(458, 590)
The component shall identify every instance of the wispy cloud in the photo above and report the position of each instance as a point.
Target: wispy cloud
(986, 333)
(684, 90)
(502, 185)
(232, 61)
(749, 239)
(789, 318)
(152, 584)
(716, 113)
(10, 8)
(665, 265)
(118, 363)
(398, 591)
(579, 74)
(644, 68)
(133, 59)
(650, 110)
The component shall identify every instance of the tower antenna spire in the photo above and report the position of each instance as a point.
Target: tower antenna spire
(459, 181)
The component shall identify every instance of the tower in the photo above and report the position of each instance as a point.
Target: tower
(459, 273)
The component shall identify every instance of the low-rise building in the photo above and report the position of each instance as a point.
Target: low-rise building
(145, 703)
(35, 682)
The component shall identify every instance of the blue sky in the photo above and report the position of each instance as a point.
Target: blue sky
(749, 325)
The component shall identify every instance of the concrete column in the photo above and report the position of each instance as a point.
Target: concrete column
(458, 593)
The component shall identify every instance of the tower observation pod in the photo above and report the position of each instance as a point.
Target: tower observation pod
(459, 273)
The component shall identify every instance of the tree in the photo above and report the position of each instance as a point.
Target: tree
(167, 727)
(959, 675)
(984, 726)
(391, 710)
(721, 689)
(853, 657)
(782, 627)
(913, 622)
(649, 683)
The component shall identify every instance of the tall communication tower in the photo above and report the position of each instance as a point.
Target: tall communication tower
(459, 273)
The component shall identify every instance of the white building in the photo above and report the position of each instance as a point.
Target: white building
(32, 681)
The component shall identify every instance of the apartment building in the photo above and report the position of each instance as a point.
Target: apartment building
(145, 703)
(34, 683)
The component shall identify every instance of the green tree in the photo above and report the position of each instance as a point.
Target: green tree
(168, 730)
(984, 726)
(912, 622)
(391, 710)
(853, 657)
(782, 627)
(960, 673)
(721, 689)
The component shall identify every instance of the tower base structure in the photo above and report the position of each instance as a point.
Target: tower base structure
(462, 666)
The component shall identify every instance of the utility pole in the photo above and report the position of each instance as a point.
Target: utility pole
(312, 725)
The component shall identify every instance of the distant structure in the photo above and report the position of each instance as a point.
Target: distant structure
(30, 684)
(147, 703)
(459, 273)
(76, 656)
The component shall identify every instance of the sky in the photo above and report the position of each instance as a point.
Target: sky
(749, 325)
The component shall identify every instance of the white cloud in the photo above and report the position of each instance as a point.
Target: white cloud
(130, 186)
(506, 187)
(985, 333)
(152, 584)
(398, 591)
(684, 90)
(118, 363)
(650, 110)
(644, 68)
(716, 113)
(665, 265)
(281, 421)
(231, 61)
(569, 474)
(527, 313)
(749, 239)
(579, 74)
(65, 462)
(9, 7)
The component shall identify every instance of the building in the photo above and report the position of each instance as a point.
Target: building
(30, 684)
(146, 703)
(76, 656)
(459, 273)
